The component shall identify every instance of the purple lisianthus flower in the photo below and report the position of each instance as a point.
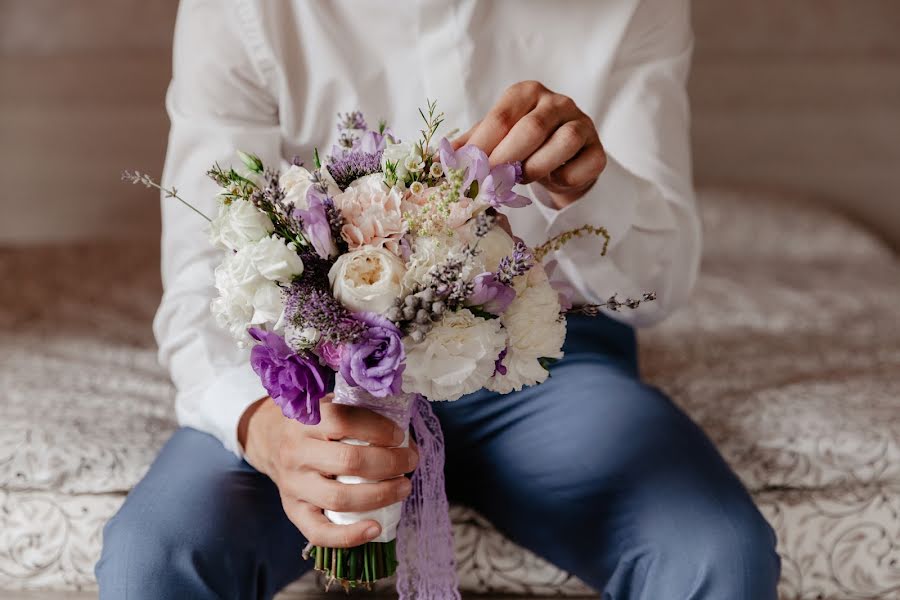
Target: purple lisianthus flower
(490, 294)
(497, 188)
(375, 362)
(470, 159)
(295, 382)
(316, 225)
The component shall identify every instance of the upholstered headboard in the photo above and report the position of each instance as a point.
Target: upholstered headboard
(801, 95)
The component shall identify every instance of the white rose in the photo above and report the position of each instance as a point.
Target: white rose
(238, 224)
(456, 358)
(276, 260)
(536, 330)
(367, 279)
(296, 182)
(245, 297)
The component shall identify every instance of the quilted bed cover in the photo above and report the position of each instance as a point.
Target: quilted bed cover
(788, 356)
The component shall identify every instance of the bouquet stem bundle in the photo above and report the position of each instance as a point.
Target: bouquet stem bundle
(356, 567)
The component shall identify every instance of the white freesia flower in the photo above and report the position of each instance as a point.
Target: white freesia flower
(367, 279)
(238, 224)
(401, 154)
(456, 358)
(276, 260)
(536, 330)
(430, 252)
(296, 182)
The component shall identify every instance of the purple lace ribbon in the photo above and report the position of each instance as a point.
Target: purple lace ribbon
(427, 567)
(425, 551)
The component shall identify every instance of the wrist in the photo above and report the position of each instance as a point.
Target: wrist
(255, 433)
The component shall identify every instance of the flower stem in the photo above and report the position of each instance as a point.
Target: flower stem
(356, 567)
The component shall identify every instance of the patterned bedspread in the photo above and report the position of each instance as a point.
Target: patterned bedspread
(788, 356)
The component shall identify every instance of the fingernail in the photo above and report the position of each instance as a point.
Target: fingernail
(398, 436)
(405, 487)
(413, 459)
(372, 532)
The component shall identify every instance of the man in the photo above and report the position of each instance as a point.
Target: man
(593, 470)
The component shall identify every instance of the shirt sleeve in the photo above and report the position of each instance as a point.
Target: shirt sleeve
(218, 101)
(645, 196)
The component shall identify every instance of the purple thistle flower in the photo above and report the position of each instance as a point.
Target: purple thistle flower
(309, 303)
(517, 264)
(350, 166)
(375, 362)
(295, 382)
(491, 294)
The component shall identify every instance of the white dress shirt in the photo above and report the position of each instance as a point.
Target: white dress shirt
(269, 77)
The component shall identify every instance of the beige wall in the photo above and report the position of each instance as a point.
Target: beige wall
(796, 94)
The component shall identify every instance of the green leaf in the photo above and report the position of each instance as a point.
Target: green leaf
(547, 362)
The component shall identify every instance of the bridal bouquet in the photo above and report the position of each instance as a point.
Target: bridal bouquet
(386, 275)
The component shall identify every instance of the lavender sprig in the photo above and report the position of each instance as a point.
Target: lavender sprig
(352, 120)
(136, 177)
(519, 263)
(613, 304)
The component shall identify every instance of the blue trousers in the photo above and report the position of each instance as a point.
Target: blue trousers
(593, 470)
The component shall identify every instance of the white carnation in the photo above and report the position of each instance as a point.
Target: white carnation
(296, 182)
(238, 224)
(245, 297)
(456, 358)
(276, 260)
(431, 252)
(536, 330)
(495, 246)
(367, 279)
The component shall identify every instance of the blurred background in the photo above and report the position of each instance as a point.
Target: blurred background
(788, 355)
(800, 96)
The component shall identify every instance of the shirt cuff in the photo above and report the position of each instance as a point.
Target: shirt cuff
(611, 203)
(218, 408)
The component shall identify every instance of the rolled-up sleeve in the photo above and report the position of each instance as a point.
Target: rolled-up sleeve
(645, 195)
(219, 100)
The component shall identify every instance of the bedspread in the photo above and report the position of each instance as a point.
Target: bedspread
(788, 356)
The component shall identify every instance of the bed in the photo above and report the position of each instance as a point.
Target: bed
(788, 356)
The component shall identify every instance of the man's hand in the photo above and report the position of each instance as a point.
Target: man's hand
(557, 143)
(303, 459)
